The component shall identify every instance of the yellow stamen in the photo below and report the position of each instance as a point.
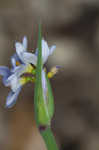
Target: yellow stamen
(53, 71)
(50, 75)
(29, 68)
(31, 79)
(23, 80)
(17, 63)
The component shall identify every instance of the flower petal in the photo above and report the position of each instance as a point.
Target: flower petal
(5, 81)
(14, 83)
(25, 42)
(45, 51)
(44, 84)
(19, 50)
(36, 52)
(4, 71)
(13, 62)
(19, 70)
(30, 58)
(13, 80)
(15, 59)
(12, 97)
(52, 48)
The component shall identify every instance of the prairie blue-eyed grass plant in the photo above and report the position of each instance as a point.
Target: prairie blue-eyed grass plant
(29, 67)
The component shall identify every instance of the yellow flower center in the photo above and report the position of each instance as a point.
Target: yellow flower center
(17, 63)
(52, 72)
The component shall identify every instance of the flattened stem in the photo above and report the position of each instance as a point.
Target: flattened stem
(46, 132)
(41, 110)
(38, 76)
(49, 139)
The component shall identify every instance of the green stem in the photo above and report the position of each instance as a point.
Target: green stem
(49, 139)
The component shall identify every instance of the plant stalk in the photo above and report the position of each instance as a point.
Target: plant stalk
(49, 139)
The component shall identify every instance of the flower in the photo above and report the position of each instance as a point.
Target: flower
(12, 77)
(22, 62)
(46, 51)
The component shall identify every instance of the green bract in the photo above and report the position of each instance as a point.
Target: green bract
(44, 107)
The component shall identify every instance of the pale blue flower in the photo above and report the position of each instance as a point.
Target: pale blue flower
(12, 77)
(32, 59)
(46, 51)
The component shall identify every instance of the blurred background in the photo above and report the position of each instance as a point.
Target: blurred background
(74, 27)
